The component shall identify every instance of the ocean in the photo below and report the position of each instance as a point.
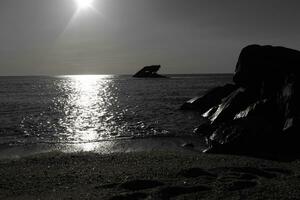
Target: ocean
(100, 113)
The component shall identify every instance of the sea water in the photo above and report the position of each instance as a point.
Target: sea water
(101, 113)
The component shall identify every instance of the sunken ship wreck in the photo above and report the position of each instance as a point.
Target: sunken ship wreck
(149, 72)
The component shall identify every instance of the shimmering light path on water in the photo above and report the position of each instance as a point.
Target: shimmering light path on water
(89, 98)
(94, 112)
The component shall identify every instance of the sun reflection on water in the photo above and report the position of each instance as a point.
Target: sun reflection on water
(87, 105)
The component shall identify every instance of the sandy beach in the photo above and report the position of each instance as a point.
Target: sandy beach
(149, 100)
(148, 175)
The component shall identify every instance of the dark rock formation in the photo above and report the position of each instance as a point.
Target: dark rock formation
(260, 113)
(149, 72)
(211, 98)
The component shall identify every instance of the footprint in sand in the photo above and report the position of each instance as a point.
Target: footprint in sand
(133, 185)
(140, 184)
(279, 171)
(234, 178)
(238, 178)
(169, 192)
(106, 186)
(132, 196)
(240, 185)
(201, 175)
(254, 171)
(194, 173)
(246, 172)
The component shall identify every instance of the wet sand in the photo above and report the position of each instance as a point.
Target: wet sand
(147, 175)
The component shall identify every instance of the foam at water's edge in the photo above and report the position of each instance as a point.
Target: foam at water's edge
(109, 146)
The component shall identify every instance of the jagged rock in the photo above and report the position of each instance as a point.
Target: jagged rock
(261, 111)
(209, 99)
(288, 100)
(229, 106)
(265, 67)
(149, 72)
(253, 129)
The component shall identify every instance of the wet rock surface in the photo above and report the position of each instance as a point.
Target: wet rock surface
(211, 98)
(260, 112)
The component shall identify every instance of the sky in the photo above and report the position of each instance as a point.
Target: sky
(54, 37)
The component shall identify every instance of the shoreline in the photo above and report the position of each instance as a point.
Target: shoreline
(166, 143)
(147, 175)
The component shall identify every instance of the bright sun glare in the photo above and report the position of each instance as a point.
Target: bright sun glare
(84, 4)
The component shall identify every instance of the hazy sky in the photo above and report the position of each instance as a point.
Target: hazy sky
(50, 37)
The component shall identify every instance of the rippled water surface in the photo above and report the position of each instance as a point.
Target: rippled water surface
(91, 108)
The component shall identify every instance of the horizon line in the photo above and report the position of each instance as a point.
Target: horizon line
(61, 75)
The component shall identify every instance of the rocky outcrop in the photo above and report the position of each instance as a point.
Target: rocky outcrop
(260, 112)
(149, 72)
(211, 98)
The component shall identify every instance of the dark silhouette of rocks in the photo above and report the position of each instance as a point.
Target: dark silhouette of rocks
(211, 98)
(149, 72)
(260, 112)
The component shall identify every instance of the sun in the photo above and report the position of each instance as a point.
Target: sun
(84, 4)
